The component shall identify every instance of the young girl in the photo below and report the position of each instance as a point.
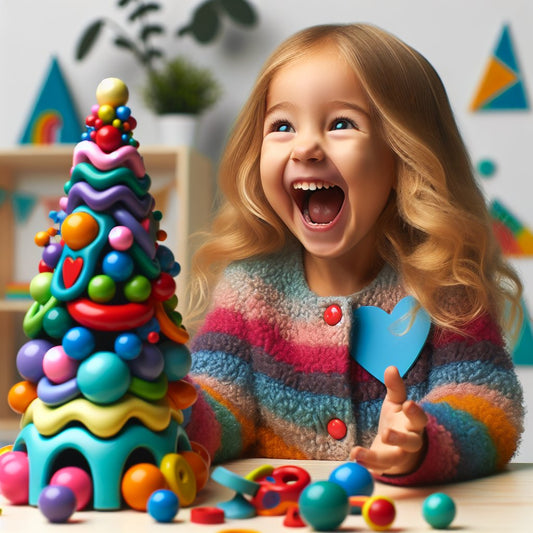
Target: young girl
(359, 290)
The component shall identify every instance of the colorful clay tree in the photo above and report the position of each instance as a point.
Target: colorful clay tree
(104, 391)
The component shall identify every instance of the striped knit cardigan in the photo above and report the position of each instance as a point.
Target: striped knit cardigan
(276, 380)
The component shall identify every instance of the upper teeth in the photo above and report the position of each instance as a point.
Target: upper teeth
(311, 185)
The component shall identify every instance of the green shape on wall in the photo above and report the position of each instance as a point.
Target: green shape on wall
(523, 349)
(53, 118)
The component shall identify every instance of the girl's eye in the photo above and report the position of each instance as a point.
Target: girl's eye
(282, 126)
(342, 124)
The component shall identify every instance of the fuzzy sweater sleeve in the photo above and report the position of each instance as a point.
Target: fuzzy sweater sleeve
(223, 418)
(474, 406)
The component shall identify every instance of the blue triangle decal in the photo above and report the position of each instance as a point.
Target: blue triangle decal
(54, 118)
(23, 204)
(513, 97)
(505, 52)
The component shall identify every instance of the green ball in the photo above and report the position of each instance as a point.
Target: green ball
(438, 510)
(101, 288)
(324, 505)
(40, 287)
(57, 322)
(137, 289)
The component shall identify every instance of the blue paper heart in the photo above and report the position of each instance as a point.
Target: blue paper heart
(380, 339)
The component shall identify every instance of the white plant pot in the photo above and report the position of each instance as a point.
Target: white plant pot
(177, 129)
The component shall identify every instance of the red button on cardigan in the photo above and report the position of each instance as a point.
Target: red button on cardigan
(333, 315)
(337, 429)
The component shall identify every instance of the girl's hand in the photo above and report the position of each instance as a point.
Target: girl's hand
(399, 444)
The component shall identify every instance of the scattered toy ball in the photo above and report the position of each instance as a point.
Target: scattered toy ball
(78, 480)
(354, 478)
(438, 510)
(57, 503)
(163, 505)
(323, 505)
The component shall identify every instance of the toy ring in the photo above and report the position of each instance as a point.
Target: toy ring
(234, 481)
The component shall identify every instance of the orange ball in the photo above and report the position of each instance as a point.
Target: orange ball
(139, 482)
(79, 229)
(21, 395)
(42, 238)
(201, 450)
(199, 467)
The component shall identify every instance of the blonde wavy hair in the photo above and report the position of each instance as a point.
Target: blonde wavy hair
(435, 231)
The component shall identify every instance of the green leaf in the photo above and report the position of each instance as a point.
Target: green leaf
(122, 42)
(205, 23)
(240, 11)
(149, 30)
(122, 3)
(153, 53)
(88, 39)
(143, 9)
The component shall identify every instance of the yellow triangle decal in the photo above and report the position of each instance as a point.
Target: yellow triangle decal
(496, 78)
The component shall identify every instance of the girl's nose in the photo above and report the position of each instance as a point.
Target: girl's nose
(307, 149)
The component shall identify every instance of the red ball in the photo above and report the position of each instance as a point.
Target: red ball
(90, 120)
(132, 122)
(43, 267)
(163, 287)
(109, 138)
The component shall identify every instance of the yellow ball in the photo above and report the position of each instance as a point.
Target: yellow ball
(106, 113)
(112, 91)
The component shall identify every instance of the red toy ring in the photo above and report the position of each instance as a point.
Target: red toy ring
(110, 317)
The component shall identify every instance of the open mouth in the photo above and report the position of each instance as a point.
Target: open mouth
(319, 202)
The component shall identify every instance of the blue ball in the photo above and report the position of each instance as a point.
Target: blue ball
(355, 479)
(323, 505)
(438, 510)
(123, 112)
(128, 346)
(117, 265)
(163, 505)
(165, 257)
(57, 503)
(103, 378)
(78, 342)
(177, 360)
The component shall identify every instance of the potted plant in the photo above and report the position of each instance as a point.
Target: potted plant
(176, 85)
(179, 92)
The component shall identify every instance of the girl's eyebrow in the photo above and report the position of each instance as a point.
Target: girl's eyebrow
(283, 106)
(351, 105)
(287, 106)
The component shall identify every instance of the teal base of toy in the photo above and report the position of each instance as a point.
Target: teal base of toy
(106, 458)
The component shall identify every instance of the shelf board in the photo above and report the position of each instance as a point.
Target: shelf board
(15, 305)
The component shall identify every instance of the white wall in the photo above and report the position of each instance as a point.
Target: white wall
(456, 36)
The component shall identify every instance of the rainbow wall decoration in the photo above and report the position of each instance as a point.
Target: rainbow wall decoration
(502, 85)
(54, 118)
(515, 239)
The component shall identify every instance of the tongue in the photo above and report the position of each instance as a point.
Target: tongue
(325, 204)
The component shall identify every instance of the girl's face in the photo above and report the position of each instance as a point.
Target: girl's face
(325, 169)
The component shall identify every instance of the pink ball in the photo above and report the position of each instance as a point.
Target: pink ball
(14, 477)
(63, 203)
(77, 480)
(58, 366)
(120, 238)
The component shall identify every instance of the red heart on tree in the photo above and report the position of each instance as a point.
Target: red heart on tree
(71, 270)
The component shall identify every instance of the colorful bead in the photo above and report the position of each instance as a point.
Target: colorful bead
(101, 288)
(137, 289)
(120, 238)
(58, 366)
(21, 395)
(112, 91)
(77, 480)
(14, 477)
(57, 503)
(30, 359)
(163, 505)
(78, 342)
(40, 287)
(324, 505)
(337, 429)
(438, 510)
(354, 478)
(79, 230)
(138, 484)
